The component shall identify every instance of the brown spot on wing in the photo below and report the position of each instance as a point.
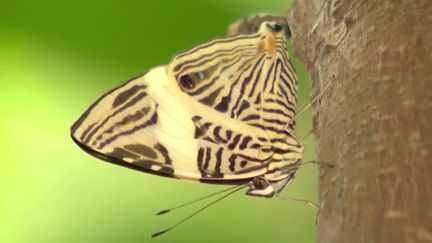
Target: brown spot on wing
(122, 153)
(164, 152)
(142, 150)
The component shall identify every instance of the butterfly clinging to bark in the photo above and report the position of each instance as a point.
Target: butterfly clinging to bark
(220, 112)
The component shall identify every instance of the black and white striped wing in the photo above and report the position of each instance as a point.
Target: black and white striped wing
(242, 91)
(216, 113)
(142, 125)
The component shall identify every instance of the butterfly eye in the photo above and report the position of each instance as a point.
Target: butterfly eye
(260, 183)
(275, 27)
(186, 82)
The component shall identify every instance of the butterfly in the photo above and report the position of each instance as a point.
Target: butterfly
(221, 112)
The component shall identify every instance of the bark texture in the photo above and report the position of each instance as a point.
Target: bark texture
(375, 121)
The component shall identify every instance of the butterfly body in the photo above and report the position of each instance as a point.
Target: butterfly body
(216, 114)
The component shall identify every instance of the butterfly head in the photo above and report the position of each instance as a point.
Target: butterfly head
(272, 183)
(274, 37)
(252, 24)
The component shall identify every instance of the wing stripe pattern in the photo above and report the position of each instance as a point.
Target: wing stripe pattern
(215, 42)
(226, 125)
(118, 111)
(225, 53)
(262, 93)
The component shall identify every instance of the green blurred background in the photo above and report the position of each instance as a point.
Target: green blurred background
(56, 58)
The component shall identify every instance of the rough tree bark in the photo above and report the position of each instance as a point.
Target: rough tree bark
(375, 121)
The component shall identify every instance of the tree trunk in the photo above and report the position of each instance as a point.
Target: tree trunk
(375, 121)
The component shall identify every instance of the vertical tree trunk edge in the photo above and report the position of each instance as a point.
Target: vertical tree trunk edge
(374, 123)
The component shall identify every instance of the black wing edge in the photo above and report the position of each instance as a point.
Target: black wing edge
(118, 161)
(102, 156)
(122, 163)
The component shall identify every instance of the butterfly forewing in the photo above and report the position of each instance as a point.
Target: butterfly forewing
(216, 113)
(140, 125)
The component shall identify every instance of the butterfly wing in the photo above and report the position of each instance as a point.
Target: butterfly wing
(242, 93)
(142, 125)
(216, 113)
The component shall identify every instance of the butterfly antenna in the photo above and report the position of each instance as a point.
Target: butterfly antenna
(199, 210)
(311, 103)
(196, 200)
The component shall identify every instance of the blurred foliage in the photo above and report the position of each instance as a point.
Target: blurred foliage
(56, 58)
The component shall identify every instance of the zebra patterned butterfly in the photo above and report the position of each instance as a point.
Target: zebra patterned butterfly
(218, 113)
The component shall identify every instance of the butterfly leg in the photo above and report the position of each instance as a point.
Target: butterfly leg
(310, 132)
(297, 200)
(311, 103)
(296, 166)
(317, 162)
